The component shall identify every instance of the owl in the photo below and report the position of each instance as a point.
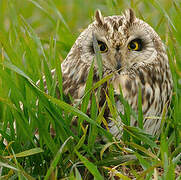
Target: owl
(135, 54)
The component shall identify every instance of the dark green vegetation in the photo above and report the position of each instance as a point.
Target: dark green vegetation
(34, 37)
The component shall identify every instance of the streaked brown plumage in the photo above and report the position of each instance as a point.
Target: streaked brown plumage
(130, 44)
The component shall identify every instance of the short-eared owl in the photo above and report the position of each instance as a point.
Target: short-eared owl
(131, 45)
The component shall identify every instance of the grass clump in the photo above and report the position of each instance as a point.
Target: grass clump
(34, 37)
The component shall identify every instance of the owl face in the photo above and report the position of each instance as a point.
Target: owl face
(131, 49)
(123, 41)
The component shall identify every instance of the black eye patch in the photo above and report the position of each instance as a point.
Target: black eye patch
(135, 45)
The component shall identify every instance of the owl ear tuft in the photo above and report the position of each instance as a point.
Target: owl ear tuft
(130, 15)
(99, 18)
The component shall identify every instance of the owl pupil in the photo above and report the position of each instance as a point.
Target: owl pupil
(102, 47)
(132, 45)
(135, 45)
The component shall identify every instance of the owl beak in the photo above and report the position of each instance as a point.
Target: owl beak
(118, 67)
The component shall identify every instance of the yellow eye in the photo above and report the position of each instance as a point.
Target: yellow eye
(135, 45)
(102, 47)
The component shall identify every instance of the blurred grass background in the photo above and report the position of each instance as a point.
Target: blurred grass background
(76, 15)
(34, 37)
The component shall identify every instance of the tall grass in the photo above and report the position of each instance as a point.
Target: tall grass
(35, 36)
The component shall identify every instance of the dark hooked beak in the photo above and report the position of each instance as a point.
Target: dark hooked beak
(118, 67)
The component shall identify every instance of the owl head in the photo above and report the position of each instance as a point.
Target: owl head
(123, 41)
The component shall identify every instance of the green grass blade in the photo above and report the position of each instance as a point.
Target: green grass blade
(98, 56)
(26, 153)
(52, 5)
(90, 166)
(140, 135)
(170, 174)
(164, 151)
(117, 174)
(89, 82)
(81, 141)
(142, 149)
(42, 9)
(56, 159)
(140, 112)
(8, 166)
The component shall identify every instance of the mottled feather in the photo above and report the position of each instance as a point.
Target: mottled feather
(147, 69)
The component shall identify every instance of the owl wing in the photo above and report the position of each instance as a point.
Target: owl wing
(156, 90)
(73, 82)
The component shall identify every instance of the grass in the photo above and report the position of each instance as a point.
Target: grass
(34, 37)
